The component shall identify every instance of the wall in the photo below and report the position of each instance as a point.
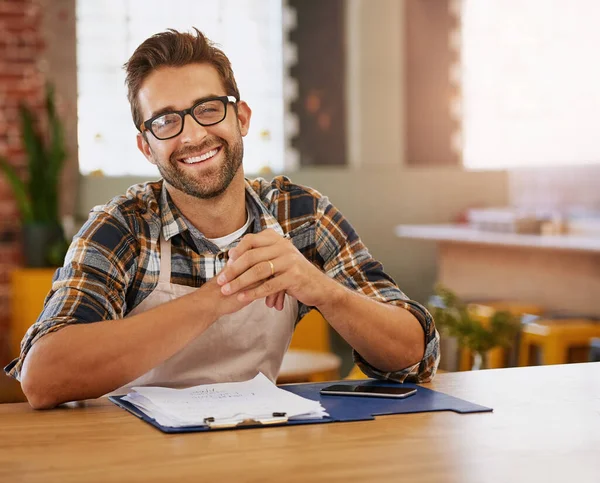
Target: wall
(60, 67)
(320, 104)
(37, 43)
(430, 128)
(21, 80)
(375, 92)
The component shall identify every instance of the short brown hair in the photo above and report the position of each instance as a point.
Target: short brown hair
(174, 49)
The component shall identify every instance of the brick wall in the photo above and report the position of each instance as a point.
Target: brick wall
(21, 80)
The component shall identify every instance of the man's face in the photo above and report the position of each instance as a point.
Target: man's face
(201, 161)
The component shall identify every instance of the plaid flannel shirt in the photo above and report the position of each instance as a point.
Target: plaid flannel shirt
(114, 261)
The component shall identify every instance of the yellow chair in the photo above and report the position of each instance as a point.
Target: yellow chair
(497, 357)
(555, 338)
(312, 333)
(356, 373)
(28, 290)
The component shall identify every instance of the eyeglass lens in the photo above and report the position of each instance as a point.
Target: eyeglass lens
(205, 113)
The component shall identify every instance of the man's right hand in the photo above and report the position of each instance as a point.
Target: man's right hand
(221, 304)
(229, 304)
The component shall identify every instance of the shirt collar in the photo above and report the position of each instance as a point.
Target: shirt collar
(170, 217)
(173, 222)
(263, 218)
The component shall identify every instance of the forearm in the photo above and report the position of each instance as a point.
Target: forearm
(387, 336)
(88, 360)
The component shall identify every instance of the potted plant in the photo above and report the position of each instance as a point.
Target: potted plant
(38, 196)
(473, 329)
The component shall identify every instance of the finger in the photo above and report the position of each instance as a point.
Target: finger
(249, 260)
(254, 240)
(280, 300)
(268, 287)
(271, 301)
(257, 273)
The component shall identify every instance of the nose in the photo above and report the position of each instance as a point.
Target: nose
(192, 133)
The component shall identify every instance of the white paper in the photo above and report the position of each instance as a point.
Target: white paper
(257, 398)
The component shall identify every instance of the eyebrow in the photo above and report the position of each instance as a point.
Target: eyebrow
(168, 109)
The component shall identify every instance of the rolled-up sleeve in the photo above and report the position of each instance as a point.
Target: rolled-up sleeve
(425, 369)
(345, 258)
(90, 286)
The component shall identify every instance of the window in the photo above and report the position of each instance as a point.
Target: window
(249, 32)
(530, 82)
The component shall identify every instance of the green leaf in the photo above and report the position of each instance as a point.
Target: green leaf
(473, 331)
(19, 190)
(505, 327)
(57, 151)
(36, 156)
(45, 160)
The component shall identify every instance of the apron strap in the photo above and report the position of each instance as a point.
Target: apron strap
(165, 259)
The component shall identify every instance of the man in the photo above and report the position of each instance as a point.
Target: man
(201, 277)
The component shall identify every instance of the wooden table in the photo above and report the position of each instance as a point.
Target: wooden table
(545, 428)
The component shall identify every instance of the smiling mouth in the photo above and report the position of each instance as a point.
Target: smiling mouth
(203, 157)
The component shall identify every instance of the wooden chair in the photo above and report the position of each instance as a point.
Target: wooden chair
(555, 337)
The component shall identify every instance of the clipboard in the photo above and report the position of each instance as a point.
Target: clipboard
(340, 408)
(277, 419)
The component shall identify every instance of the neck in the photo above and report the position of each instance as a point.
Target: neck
(214, 217)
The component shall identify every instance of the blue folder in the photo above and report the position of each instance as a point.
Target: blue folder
(343, 408)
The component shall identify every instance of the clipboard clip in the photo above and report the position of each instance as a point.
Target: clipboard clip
(276, 418)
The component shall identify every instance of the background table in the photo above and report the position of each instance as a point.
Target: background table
(533, 269)
(308, 366)
(545, 428)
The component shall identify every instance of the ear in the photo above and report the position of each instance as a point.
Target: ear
(244, 113)
(144, 147)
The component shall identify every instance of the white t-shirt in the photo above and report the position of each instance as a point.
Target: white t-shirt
(225, 241)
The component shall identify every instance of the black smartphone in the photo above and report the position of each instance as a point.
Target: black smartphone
(368, 390)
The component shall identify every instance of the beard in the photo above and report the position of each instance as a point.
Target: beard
(214, 182)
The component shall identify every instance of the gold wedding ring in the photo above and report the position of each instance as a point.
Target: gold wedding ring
(272, 268)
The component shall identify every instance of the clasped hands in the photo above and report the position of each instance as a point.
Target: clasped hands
(267, 265)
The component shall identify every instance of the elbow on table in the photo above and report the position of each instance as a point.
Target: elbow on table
(37, 402)
(38, 394)
(34, 383)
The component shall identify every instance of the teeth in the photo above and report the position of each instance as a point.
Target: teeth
(198, 159)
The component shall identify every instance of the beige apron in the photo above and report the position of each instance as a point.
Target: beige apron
(234, 348)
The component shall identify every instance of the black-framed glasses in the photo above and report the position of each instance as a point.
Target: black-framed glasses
(206, 113)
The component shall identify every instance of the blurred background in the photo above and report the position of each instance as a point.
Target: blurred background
(459, 137)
